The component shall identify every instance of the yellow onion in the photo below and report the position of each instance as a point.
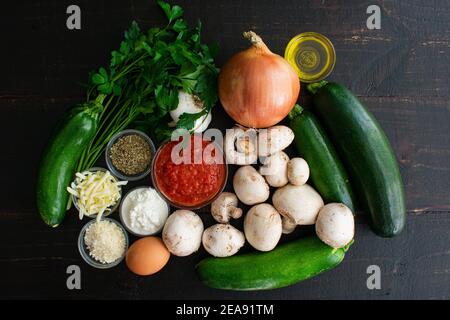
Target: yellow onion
(258, 88)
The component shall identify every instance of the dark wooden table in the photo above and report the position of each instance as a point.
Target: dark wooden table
(401, 72)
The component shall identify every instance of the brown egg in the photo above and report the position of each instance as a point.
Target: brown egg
(147, 256)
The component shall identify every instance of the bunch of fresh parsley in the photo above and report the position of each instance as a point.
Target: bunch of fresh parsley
(140, 87)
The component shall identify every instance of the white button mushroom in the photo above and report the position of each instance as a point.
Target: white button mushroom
(225, 207)
(275, 169)
(300, 204)
(274, 139)
(222, 240)
(335, 225)
(262, 227)
(250, 186)
(297, 171)
(240, 146)
(182, 233)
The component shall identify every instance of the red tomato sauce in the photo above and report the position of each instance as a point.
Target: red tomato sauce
(189, 184)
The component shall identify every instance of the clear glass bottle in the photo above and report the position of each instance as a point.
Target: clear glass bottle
(312, 55)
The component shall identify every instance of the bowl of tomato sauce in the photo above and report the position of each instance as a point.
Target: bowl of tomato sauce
(189, 173)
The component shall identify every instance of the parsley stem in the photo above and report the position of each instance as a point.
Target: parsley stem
(126, 70)
(104, 118)
(96, 153)
(111, 126)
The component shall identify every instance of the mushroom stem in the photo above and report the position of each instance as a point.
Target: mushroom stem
(288, 225)
(224, 207)
(240, 146)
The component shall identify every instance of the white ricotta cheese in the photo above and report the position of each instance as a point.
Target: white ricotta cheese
(144, 212)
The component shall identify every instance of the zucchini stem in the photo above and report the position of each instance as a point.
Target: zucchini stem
(348, 245)
(314, 87)
(295, 112)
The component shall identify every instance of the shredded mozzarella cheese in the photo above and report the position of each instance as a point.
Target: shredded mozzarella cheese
(95, 192)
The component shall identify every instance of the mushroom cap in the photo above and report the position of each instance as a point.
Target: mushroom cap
(335, 225)
(299, 203)
(263, 227)
(298, 171)
(182, 233)
(222, 240)
(250, 186)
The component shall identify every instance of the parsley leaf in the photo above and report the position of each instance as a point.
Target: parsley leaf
(97, 79)
(166, 8)
(132, 34)
(180, 25)
(172, 13)
(166, 99)
(206, 87)
(187, 120)
(176, 12)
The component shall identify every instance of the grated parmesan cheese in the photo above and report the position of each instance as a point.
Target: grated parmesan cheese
(96, 192)
(105, 241)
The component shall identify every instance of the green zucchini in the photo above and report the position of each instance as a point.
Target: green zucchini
(287, 264)
(326, 170)
(60, 159)
(367, 154)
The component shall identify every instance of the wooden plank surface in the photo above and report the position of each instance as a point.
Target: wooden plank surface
(401, 72)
